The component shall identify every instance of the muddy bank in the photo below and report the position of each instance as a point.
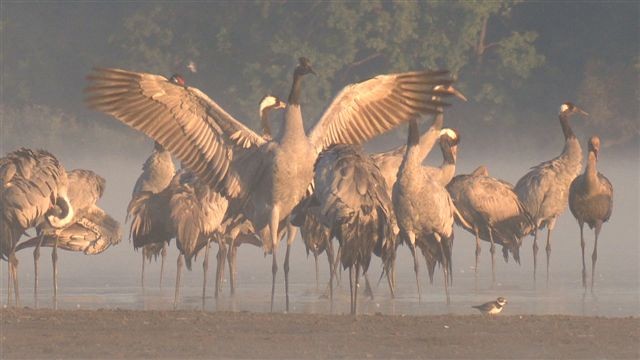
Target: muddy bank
(191, 334)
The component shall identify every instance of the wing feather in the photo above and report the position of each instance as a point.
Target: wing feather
(183, 119)
(364, 110)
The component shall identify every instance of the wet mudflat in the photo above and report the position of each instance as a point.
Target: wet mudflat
(28, 333)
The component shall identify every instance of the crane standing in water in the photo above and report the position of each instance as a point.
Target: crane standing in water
(591, 202)
(33, 189)
(544, 191)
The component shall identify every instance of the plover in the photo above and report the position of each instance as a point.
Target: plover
(492, 307)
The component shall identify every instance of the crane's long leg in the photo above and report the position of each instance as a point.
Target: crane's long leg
(178, 273)
(54, 259)
(492, 250)
(291, 234)
(36, 257)
(368, 291)
(450, 259)
(594, 256)
(9, 282)
(273, 228)
(390, 282)
(232, 256)
(222, 255)
(445, 267)
(584, 265)
(205, 268)
(13, 274)
(355, 292)
(144, 259)
(548, 249)
(412, 247)
(535, 254)
(315, 258)
(351, 289)
(164, 257)
(337, 269)
(329, 250)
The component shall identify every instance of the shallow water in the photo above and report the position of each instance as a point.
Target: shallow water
(112, 279)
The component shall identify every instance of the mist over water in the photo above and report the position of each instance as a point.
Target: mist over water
(49, 48)
(112, 279)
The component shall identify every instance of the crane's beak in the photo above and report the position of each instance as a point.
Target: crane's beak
(457, 93)
(312, 72)
(581, 111)
(281, 105)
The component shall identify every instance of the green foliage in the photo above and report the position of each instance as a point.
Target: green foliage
(604, 91)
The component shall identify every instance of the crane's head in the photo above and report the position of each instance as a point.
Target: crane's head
(447, 90)
(594, 145)
(177, 79)
(61, 212)
(267, 104)
(568, 108)
(270, 102)
(304, 67)
(449, 140)
(501, 301)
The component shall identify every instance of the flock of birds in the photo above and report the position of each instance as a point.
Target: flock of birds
(236, 186)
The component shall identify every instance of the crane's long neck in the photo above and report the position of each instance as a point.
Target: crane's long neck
(448, 167)
(572, 150)
(591, 172)
(296, 89)
(429, 138)
(412, 157)
(264, 121)
(566, 128)
(293, 127)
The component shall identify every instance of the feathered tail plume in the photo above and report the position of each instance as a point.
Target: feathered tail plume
(8, 236)
(150, 219)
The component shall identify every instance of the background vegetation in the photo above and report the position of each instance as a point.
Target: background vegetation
(516, 61)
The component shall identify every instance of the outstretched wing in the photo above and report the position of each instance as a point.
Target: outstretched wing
(364, 110)
(183, 119)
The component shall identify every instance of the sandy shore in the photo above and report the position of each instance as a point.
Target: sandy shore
(27, 333)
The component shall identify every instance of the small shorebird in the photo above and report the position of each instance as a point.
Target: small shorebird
(492, 307)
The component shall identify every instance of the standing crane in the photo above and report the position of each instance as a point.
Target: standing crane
(423, 207)
(270, 177)
(494, 212)
(196, 212)
(544, 190)
(33, 189)
(91, 230)
(591, 202)
(353, 202)
(157, 173)
(389, 163)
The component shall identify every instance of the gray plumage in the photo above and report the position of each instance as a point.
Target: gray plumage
(544, 191)
(353, 202)
(493, 210)
(591, 202)
(196, 212)
(316, 239)
(270, 177)
(423, 207)
(33, 188)
(90, 231)
(157, 172)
